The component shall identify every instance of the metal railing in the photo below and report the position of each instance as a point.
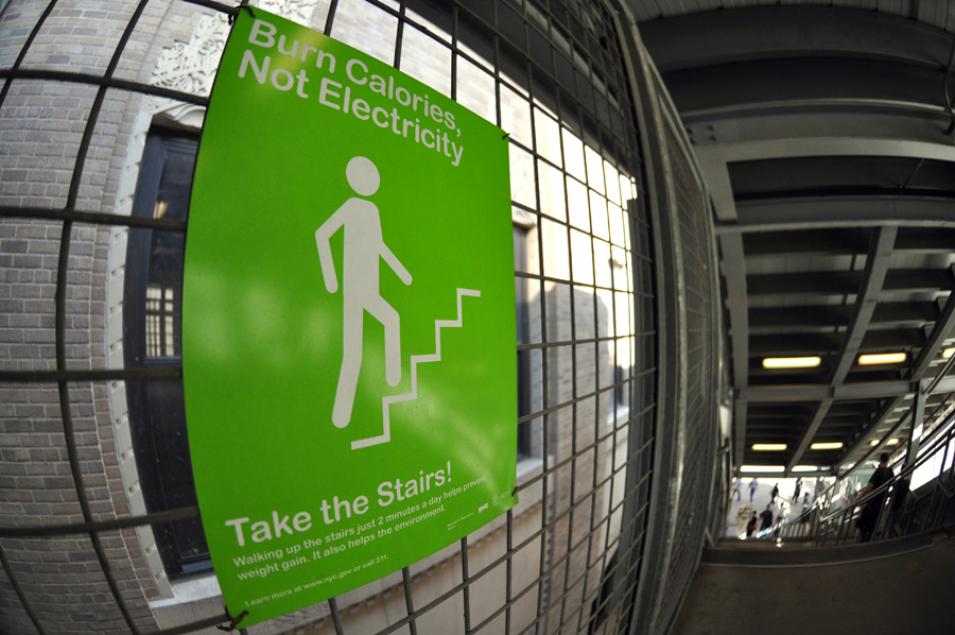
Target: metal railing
(826, 525)
(900, 512)
(613, 557)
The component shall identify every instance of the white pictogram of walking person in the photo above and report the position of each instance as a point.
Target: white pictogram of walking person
(364, 247)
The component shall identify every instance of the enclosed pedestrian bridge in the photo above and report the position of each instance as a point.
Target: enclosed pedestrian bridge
(719, 245)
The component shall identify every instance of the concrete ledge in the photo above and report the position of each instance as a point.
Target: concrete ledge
(800, 555)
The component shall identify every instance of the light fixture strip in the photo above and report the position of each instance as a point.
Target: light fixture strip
(770, 447)
(881, 359)
(827, 445)
(779, 363)
(750, 469)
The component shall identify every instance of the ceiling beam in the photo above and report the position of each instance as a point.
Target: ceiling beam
(713, 161)
(835, 115)
(877, 267)
(826, 212)
(943, 326)
(846, 282)
(751, 33)
(739, 431)
(814, 282)
(733, 265)
(827, 315)
(901, 312)
(940, 331)
(734, 275)
(787, 147)
(796, 87)
(855, 390)
(821, 411)
(831, 242)
(791, 343)
(863, 438)
(778, 319)
(923, 240)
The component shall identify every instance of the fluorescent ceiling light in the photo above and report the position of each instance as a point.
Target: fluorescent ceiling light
(948, 352)
(875, 442)
(769, 447)
(805, 468)
(776, 363)
(762, 468)
(828, 445)
(877, 359)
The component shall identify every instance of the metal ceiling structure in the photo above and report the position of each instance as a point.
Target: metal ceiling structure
(825, 134)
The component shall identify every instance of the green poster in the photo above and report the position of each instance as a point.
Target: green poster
(348, 320)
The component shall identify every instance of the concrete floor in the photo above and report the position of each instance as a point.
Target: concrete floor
(898, 595)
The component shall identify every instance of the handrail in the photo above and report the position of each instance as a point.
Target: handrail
(907, 471)
(826, 494)
(939, 443)
(838, 524)
(942, 372)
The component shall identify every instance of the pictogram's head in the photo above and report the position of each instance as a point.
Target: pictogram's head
(363, 176)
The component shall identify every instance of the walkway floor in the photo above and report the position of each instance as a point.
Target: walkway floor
(897, 595)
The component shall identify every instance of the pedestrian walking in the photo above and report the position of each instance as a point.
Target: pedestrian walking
(870, 513)
(775, 493)
(751, 526)
(753, 484)
(766, 518)
(798, 489)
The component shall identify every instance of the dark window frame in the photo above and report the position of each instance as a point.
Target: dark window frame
(525, 443)
(156, 407)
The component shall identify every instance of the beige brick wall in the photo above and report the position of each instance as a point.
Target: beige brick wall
(41, 124)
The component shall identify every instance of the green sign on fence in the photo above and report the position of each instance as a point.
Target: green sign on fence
(348, 320)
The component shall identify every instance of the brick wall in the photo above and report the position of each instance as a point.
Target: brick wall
(41, 123)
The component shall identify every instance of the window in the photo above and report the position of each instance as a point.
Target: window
(160, 322)
(152, 312)
(524, 442)
(528, 359)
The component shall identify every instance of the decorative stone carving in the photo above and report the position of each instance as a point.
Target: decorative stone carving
(191, 66)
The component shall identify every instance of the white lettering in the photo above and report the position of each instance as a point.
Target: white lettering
(237, 524)
(261, 73)
(326, 89)
(260, 28)
(300, 86)
(282, 79)
(280, 524)
(302, 521)
(261, 531)
(356, 79)
(374, 117)
(425, 135)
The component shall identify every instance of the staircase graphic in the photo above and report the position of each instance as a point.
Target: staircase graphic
(412, 395)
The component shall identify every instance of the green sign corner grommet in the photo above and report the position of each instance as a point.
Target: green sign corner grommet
(348, 320)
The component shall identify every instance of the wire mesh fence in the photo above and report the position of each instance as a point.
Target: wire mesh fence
(100, 104)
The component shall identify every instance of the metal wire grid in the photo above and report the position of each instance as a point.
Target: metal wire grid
(617, 145)
(699, 444)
